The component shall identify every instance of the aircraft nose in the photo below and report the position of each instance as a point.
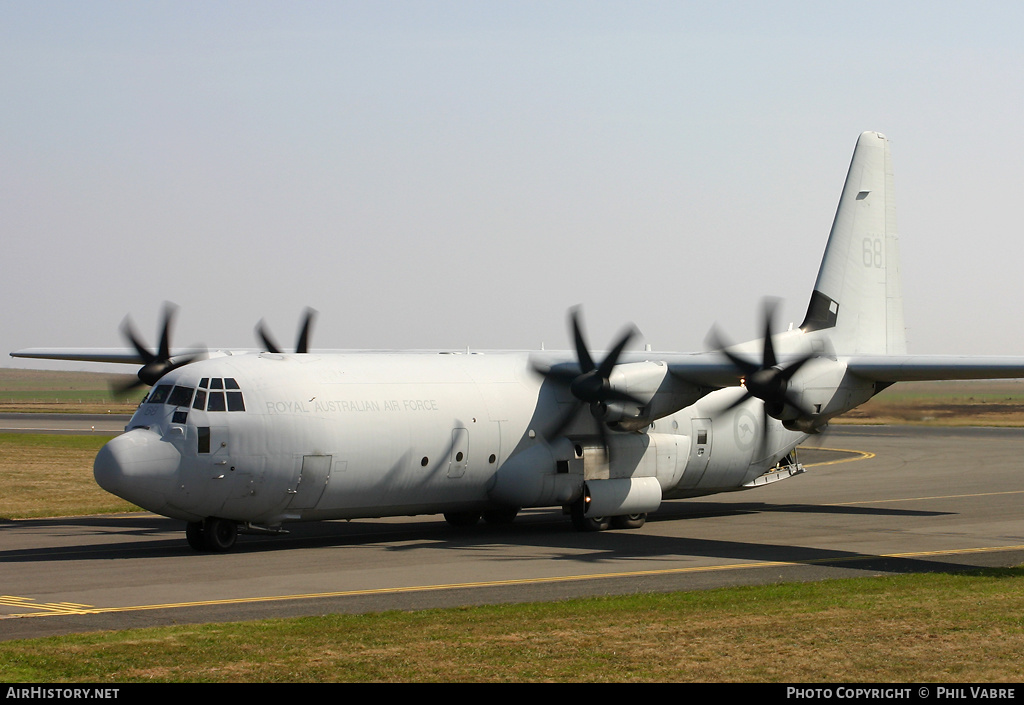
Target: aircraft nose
(138, 466)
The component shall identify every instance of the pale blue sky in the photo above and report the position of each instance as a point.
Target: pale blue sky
(444, 174)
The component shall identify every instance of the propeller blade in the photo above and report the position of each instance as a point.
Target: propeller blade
(301, 345)
(560, 375)
(769, 349)
(582, 353)
(264, 335)
(128, 330)
(165, 332)
(715, 340)
(122, 389)
(608, 364)
(739, 401)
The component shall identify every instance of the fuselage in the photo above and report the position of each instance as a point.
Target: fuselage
(271, 438)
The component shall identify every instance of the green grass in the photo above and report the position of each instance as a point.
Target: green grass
(911, 628)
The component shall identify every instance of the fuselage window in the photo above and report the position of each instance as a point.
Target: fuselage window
(180, 396)
(159, 394)
(204, 439)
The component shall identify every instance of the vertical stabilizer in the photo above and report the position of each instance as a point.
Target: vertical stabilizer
(858, 296)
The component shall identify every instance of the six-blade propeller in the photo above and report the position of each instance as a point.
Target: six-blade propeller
(767, 380)
(589, 384)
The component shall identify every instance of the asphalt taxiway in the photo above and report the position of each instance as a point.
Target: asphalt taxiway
(888, 500)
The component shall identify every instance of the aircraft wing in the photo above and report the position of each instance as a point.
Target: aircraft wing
(709, 370)
(922, 368)
(120, 355)
(705, 370)
(127, 356)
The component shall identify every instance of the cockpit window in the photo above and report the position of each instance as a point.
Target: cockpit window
(180, 396)
(216, 402)
(216, 399)
(235, 402)
(158, 395)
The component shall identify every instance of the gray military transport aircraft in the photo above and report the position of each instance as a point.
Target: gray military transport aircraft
(248, 441)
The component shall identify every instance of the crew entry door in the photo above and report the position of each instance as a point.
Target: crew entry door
(313, 479)
(700, 452)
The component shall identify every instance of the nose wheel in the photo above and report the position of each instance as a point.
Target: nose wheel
(212, 534)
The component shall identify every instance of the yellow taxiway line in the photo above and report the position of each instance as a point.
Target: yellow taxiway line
(66, 608)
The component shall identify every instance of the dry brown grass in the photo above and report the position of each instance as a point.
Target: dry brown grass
(51, 475)
(44, 391)
(957, 403)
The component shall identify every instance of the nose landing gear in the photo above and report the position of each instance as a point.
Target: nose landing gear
(212, 534)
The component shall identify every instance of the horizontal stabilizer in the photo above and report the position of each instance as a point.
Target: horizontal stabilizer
(924, 368)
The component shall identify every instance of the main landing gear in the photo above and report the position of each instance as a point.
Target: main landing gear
(212, 534)
(577, 511)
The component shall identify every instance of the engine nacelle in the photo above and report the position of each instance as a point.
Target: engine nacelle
(650, 382)
(621, 496)
(824, 387)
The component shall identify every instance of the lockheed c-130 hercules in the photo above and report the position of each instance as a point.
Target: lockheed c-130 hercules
(248, 441)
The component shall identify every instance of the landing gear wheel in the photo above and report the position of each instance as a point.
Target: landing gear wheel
(629, 521)
(220, 534)
(585, 523)
(194, 535)
(462, 519)
(212, 534)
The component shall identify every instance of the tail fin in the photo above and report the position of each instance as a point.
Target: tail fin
(858, 296)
